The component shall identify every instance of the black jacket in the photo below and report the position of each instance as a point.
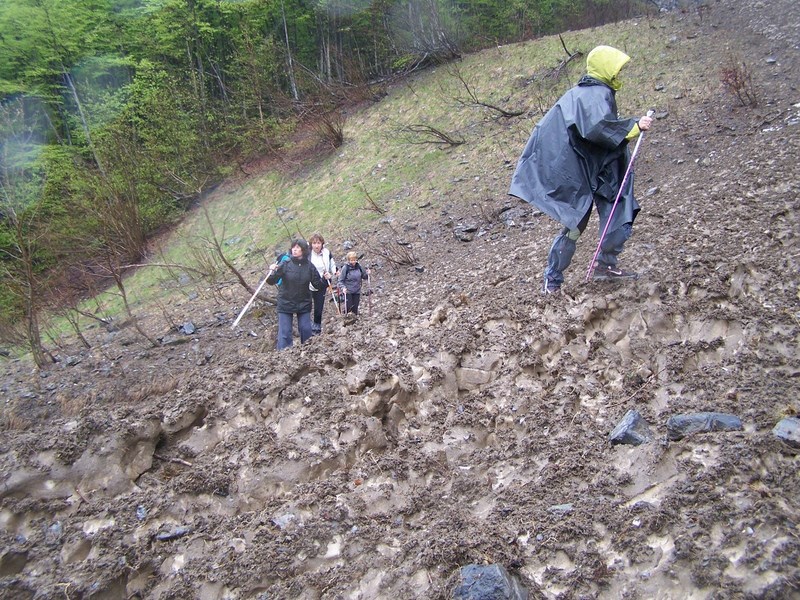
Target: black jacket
(295, 275)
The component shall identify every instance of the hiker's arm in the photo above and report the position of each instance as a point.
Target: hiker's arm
(641, 125)
(275, 272)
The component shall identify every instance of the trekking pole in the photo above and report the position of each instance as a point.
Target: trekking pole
(369, 296)
(616, 200)
(249, 302)
(333, 297)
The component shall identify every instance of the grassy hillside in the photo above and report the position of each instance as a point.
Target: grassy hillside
(382, 162)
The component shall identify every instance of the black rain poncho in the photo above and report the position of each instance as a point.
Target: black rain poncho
(579, 150)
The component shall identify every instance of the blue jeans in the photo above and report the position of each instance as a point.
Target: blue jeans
(285, 333)
(563, 247)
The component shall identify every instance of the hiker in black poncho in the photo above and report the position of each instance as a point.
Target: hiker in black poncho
(293, 275)
(576, 156)
(351, 276)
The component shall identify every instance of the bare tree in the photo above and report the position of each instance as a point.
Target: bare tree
(20, 210)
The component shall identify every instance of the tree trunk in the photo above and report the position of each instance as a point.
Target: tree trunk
(289, 61)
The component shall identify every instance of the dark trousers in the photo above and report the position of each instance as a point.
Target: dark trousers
(564, 244)
(352, 301)
(318, 298)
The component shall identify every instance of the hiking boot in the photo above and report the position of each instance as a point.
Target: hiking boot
(549, 288)
(609, 273)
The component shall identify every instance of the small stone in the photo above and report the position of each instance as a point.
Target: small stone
(680, 426)
(788, 430)
(561, 509)
(488, 582)
(164, 536)
(632, 430)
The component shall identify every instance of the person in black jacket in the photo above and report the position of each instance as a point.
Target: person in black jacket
(576, 157)
(292, 275)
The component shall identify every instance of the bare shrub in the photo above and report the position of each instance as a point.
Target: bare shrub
(330, 128)
(393, 249)
(737, 79)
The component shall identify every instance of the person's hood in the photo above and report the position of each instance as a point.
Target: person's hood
(604, 64)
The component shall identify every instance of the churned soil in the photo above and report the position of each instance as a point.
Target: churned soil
(462, 418)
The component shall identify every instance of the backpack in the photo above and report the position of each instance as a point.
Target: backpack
(282, 258)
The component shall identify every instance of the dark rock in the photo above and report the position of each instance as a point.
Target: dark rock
(164, 536)
(788, 430)
(488, 582)
(680, 426)
(465, 233)
(513, 215)
(632, 429)
(187, 328)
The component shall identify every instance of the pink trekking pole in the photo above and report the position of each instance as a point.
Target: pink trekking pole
(616, 200)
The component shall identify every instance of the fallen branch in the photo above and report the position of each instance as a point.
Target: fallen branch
(473, 97)
(178, 461)
(427, 134)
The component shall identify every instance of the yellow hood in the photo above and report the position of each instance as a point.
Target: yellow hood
(604, 63)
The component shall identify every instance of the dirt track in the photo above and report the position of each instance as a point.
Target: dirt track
(463, 418)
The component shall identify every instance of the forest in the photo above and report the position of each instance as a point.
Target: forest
(116, 115)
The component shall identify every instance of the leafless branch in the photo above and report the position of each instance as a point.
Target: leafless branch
(392, 248)
(427, 134)
(556, 72)
(472, 97)
(374, 206)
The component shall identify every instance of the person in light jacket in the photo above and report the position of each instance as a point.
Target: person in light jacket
(351, 277)
(322, 259)
(294, 275)
(577, 156)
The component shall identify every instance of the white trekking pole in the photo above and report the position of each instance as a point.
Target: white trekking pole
(249, 302)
